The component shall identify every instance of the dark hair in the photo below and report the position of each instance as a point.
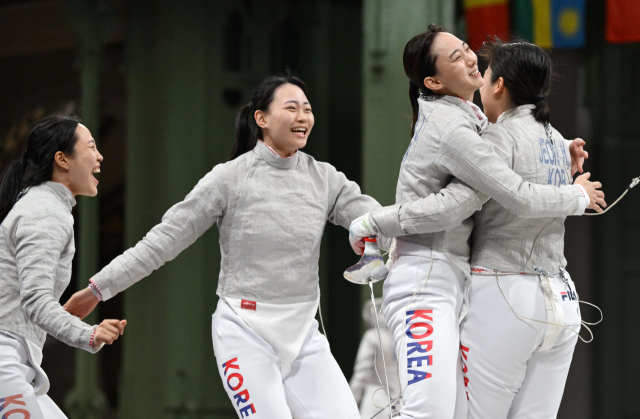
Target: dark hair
(52, 134)
(526, 69)
(247, 130)
(419, 63)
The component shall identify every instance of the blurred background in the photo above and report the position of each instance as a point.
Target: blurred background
(158, 82)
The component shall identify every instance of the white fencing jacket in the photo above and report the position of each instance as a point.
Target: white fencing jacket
(271, 213)
(501, 240)
(36, 250)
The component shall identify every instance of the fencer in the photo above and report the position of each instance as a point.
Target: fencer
(270, 202)
(37, 194)
(424, 292)
(523, 319)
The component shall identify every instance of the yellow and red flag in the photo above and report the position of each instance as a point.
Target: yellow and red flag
(623, 17)
(486, 17)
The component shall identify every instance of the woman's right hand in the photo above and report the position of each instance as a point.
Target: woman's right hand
(108, 331)
(596, 196)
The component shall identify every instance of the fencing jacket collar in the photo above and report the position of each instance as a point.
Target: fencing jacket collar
(267, 154)
(479, 118)
(517, 112)
(62, 192)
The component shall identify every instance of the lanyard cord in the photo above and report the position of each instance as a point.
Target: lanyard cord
(634, 182)
(584, 324)
(384, 364)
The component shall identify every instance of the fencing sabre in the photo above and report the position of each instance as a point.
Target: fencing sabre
(369, 270)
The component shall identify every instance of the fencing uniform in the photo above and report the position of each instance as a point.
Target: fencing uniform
(423, 316)
(271, 213)
(36, 250)
(516, 367)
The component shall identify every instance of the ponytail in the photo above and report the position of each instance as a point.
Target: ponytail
(52, 134)
(414, 94)
(419, 62)
(247, 131)
(10, 187)
(541, 111)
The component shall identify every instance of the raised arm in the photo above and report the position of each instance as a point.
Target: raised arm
(471, 159)
(181, 225)
(39, 242)
(347, 202)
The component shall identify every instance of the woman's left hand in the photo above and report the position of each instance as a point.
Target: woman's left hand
(577, 155)
(82, 303)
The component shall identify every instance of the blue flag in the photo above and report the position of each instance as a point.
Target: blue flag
(568, 23)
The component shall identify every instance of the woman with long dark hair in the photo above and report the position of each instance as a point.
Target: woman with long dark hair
(424, 293)
(37, 193)
(270, 202)
(523, 320)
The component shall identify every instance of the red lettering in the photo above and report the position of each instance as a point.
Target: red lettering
(420, 314)
(418, 347)
(242, 397)
(26, 415)
(244, 412)
(240, 381)
(12, 400)
(230, 364)
(422, 336)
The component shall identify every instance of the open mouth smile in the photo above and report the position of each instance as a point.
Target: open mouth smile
(95, 170)
(300, 132)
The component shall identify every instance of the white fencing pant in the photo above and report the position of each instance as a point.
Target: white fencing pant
(507, 377)
(17, 396)
(315, 388)
(426, 334)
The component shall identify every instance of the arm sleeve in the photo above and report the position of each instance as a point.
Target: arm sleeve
(181, 225)
(347, 202)
(39, 243)
(473, 160)
(437, 212)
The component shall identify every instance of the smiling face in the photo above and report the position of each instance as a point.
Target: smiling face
(287, 123)
(456, 68)
(82, 164)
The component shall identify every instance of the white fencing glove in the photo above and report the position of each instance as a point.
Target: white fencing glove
(384, 243)
(362, 227)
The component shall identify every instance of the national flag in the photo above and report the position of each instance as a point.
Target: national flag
(551, 23)
(623, 21)
(486, 17)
